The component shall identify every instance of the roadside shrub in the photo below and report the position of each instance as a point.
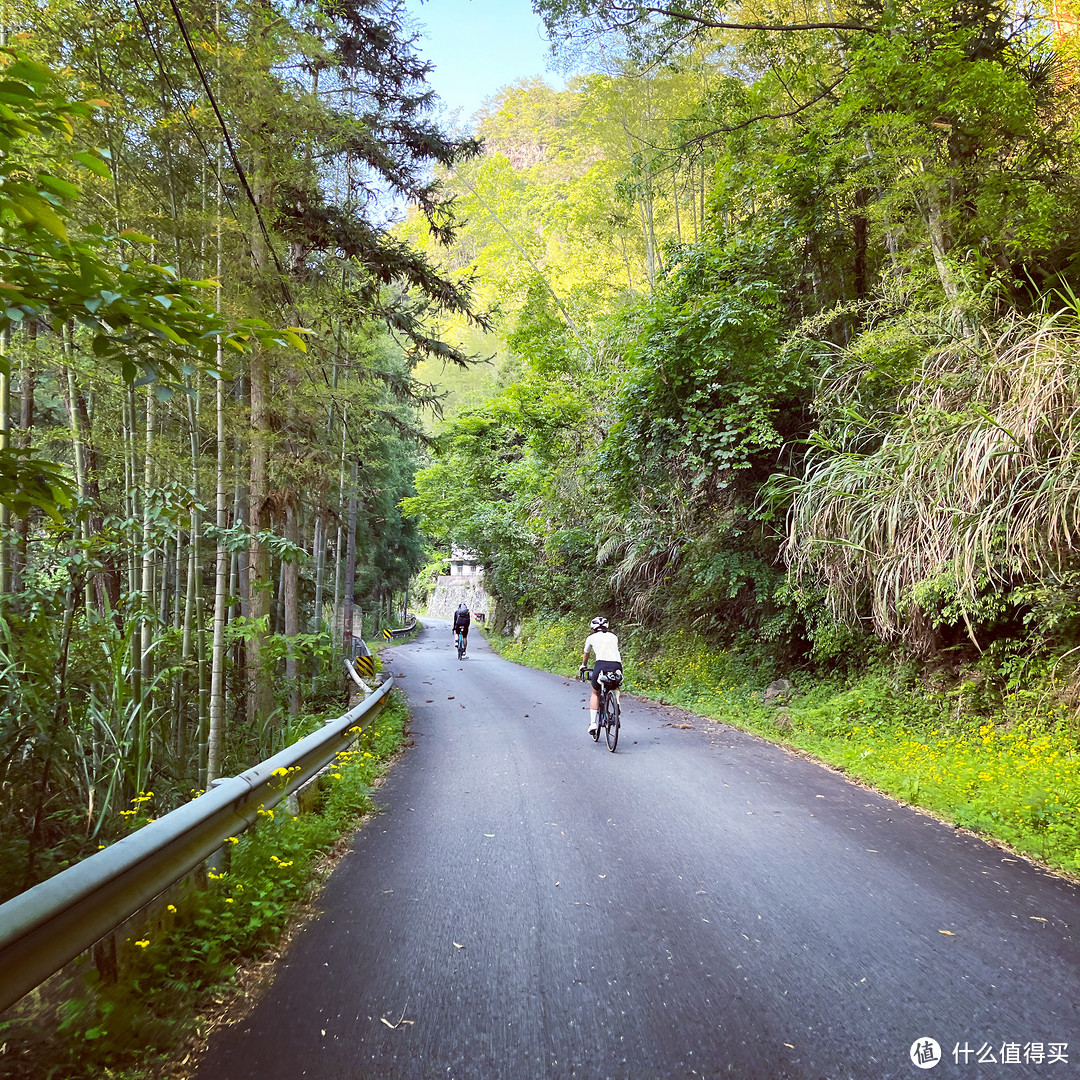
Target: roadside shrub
(188, 955)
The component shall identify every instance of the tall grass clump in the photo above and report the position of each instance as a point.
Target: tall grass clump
(939, 502)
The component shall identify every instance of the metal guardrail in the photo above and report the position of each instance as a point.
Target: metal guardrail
(401, 631)
(49, 925)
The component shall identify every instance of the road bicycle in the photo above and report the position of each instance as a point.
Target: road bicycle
(607, 718)
(460, 644)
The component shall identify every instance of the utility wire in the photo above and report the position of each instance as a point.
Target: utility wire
(283, 279)
(183, 112)
(210, 157)
(232, 152)
(346, 360)
(178, 97)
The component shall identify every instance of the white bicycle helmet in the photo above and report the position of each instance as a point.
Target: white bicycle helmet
(598, 624)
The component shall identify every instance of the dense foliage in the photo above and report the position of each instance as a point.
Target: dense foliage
(789, 352)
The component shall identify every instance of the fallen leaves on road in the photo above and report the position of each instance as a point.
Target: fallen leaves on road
(458, 946)
(947, 933)
(402, 1022)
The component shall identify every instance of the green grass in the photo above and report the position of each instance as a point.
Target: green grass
(1004, 766)
(181, 967)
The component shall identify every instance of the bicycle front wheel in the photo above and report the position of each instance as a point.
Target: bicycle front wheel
(611, 707)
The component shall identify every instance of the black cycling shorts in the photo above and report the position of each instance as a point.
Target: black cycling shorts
(603, 665)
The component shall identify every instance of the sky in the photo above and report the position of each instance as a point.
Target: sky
(478, 47)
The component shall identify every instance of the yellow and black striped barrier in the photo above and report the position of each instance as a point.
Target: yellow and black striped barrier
(401, 631)
(365, 667)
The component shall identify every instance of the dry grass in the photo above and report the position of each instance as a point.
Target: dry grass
(975, 473)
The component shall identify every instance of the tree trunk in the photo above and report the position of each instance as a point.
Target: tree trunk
(26, 426)
(319, 554)
(78, 452)
(675, 200)
(860, 229)
(106, 581)
(260, 697)
(221, 568)
(939, 243)
(339, 562)
(5, 446)
(145, 635)
(59, 719)
(350, 564)
(291, 603)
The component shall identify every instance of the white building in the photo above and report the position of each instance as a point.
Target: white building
(464, 564)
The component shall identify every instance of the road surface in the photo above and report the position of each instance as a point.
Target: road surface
(698, 904)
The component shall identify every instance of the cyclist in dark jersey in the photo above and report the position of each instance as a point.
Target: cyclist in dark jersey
(462, 618)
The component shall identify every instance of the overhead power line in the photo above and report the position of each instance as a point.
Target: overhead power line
(167, 79)
(232, 151)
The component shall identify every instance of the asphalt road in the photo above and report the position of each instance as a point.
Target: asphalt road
(700, 903)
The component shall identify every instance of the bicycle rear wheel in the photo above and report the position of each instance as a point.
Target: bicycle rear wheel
(611, 728)
(460, 646)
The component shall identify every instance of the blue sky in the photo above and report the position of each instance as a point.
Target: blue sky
(479, 46)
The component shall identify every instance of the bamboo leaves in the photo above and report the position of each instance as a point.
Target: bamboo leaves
(147, 319)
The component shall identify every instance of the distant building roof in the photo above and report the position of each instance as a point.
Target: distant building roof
(464, 563)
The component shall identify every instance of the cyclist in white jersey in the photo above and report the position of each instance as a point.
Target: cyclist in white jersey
(604, 645)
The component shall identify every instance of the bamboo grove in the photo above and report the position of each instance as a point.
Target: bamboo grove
(209, 412)
(790, 354)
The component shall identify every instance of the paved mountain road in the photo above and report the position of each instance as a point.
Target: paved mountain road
(700, 903)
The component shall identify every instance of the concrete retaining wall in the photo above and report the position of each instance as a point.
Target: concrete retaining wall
(451, 591)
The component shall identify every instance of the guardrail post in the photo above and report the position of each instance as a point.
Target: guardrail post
(105, 959)
(218, 862)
